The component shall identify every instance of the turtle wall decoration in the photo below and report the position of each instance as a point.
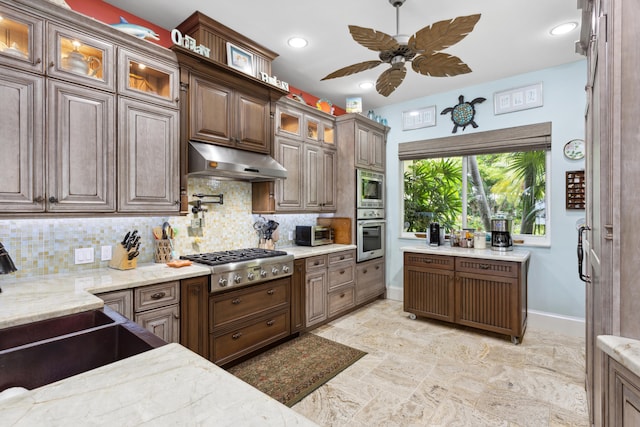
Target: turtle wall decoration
(463, 114)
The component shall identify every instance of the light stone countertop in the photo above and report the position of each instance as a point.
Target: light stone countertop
(31, 299)
(169, 385)
(517, 255)
(309, 251)
(625, 351)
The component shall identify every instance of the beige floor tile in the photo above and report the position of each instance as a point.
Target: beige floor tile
(428, 373)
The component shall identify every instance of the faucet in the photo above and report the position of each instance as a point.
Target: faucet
(6, 263)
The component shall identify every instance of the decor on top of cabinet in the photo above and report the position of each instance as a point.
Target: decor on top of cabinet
(324, 105)
(135, 30)
(239, 59)
(61, 3)
(463, 114)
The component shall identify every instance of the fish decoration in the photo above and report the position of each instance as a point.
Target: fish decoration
(135, 30)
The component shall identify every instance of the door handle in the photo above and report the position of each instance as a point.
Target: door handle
(584, 277)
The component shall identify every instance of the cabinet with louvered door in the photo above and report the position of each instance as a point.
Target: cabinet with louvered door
(488, 297)
(429, 286)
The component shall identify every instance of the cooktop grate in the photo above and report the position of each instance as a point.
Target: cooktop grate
(235, 255)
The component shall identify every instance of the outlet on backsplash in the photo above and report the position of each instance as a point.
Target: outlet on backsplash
(83, 255)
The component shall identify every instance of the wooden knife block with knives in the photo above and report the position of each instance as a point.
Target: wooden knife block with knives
(120, 259)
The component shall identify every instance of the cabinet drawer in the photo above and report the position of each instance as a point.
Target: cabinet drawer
(249, 337)
(341, 299)
(341, 275)
(154, 296)
(339, 257)
(429, 261)
(370, 280)
(244, 303)
(313, 262)
(488, 267)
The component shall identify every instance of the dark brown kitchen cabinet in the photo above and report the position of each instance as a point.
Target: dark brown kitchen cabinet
(248, 319)
(22, 143)
(481, 293)
(194, 314)
(298, 296)
(148, 152)
(429, 286)
(23, 34)
(81, 145)
(224, 115)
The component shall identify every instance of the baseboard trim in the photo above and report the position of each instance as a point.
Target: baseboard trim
(566, 325)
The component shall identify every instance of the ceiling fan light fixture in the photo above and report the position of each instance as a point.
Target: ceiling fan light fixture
(297, 42)
(563, 28)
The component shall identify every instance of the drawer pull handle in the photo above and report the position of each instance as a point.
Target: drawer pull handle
(271, 292)
(342, 272)
(236, 301)
(271, 322)
(342, 257)
(485, 266)
(427, 261)
(158, 295)
(236, 335)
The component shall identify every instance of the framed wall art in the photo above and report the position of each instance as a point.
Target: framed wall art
(521, 98)
(420, 118)
(239, 59)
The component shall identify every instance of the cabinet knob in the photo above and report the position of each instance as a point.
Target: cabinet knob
(52, 64)
(271, 292)
(377, 267)
(342, 295)
(53, 199)
(236, 335)
(176, 202)
(158, 295)
(236, 301)
(485, 266)
(342, 272)
(364, 271)
(271, 322)
(177, 100)
(38, 60)
(39, 199)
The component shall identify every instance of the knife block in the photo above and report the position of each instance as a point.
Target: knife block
(120, 259)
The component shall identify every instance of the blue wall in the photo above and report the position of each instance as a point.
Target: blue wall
(553, 283)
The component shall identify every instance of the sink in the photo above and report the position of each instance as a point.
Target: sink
(58, 356)
(44, 329)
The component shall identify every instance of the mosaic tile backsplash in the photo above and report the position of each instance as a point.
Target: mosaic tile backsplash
(47, 246)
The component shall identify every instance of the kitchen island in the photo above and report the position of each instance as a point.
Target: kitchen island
(480, 288)
(169, 385)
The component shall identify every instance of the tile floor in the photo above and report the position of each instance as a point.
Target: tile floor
(424, 373)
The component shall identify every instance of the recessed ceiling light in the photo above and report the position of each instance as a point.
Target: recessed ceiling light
(366, 85)
(297, 42)
(563, 28)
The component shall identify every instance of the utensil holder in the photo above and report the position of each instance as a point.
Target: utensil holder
(120, 259)
(162, 251)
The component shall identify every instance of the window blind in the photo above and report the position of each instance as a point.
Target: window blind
(520, 138)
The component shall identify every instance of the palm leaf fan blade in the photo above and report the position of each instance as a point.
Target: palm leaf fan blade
(443, 34)
(372, 39)
(439, 65)
(390, 80)
(352, 69)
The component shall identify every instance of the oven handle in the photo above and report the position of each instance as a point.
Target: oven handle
(368, 222)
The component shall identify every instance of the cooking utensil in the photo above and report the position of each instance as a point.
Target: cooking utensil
(157, 232)
(165, 230)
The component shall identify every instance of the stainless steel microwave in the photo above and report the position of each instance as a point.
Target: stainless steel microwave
(313, 235)
(370, 189)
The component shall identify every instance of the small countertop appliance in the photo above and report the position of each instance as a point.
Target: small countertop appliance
(434, 234)
(501, 234)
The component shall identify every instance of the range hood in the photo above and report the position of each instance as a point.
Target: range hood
(229, 163)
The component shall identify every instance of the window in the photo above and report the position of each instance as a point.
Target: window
(462, 182)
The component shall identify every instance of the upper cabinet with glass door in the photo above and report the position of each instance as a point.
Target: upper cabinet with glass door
(75, 56)
(319, 131)
(288, 121)
(150, 79)
(20, 40)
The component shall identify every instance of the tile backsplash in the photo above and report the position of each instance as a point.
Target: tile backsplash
(47, 246)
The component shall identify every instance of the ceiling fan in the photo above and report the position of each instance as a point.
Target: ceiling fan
(421, 49)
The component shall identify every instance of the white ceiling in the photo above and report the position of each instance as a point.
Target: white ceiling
(512, 37)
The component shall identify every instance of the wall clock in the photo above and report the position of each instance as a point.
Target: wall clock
(574, 149)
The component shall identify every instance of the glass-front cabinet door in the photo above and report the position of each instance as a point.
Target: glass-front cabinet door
(328, 134)
(20, 40)
(288, 122)
(80, 58)
(149, 78)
